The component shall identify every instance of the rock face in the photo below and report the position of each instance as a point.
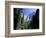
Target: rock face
(34, 23)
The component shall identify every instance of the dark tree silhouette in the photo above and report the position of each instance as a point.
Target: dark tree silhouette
(35, 20)
(17, 12)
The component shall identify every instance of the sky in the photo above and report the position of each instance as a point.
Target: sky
(28, 11)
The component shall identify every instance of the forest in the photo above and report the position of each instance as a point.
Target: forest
(20, 23)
